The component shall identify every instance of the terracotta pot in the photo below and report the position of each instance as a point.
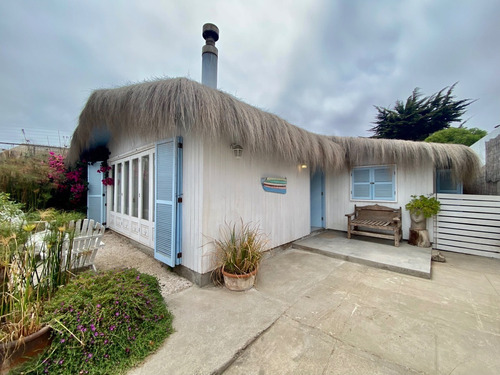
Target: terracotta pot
(14, 353)
(239, 283)
(418, 222)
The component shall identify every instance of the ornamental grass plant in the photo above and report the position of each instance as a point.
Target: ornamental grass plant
(28, 277)
(239, 248)
(103, 324)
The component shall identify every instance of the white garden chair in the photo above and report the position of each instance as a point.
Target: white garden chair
(86, 242)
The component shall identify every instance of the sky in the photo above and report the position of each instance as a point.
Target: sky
(320, 64)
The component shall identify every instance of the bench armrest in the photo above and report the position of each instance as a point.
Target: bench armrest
(397, 219)
(347, 215)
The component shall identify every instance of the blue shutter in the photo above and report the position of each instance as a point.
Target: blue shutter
(383, 183)
(446, 184)
(167, 217)
(361, 183)
(96, 209)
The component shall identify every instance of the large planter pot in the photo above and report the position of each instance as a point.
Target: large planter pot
(239, 283)
(418, 222)
(13, 353)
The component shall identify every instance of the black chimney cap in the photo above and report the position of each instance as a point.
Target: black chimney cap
(210, 31)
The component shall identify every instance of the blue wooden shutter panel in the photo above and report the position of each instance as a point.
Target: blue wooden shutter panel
(167, 238)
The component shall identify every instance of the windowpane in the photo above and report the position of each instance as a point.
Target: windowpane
(374, 183)
(382, 191)
(126, 188)
(361, 191)
(383, 174)
(119, 193)
(135, 187)
(154, 186)
(360, 175)
(445, 183)
(112, 195)
(361, 188)
(145, 187)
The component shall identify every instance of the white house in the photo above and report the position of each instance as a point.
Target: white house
(186, 157)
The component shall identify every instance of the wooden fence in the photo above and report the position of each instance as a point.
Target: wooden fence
(468, 224)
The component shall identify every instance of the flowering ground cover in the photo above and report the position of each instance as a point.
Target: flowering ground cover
(103, 324)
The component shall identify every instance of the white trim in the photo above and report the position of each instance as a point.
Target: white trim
(126, 155)
(136, 228)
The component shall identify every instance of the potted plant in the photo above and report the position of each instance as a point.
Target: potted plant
(238, 252)
(421, 208)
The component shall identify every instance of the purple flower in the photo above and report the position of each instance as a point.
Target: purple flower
(90, 355)
(61, 361)
(63, 341)
(92, 327)
(117, 314)
(98, 306)
(138, 277)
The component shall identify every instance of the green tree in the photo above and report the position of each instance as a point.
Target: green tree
(463, 136)
(419, 116)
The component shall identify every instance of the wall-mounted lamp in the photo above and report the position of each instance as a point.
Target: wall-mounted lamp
(237, 150)
(303, 166)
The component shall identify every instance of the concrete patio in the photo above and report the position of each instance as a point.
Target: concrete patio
(374, 252)
(313, 314)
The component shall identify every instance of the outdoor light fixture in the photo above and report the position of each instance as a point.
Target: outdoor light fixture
(237, 150)
(303, 166)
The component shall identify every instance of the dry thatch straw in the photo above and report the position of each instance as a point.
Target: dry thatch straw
(164, 108)
(462, 160)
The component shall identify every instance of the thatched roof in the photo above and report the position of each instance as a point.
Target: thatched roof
(163, 108)
(461, 159)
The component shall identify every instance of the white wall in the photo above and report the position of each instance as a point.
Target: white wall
(415, 180)
(232, 190)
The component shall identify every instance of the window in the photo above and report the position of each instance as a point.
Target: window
(376, 183)
(446, 184)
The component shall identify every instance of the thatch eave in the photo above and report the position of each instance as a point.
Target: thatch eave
(162, 108)
(462, 160)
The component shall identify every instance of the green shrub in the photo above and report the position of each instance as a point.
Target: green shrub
(103, 324)
(426, 205)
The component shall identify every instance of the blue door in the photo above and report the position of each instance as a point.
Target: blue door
(168, 199)
(318, 200)
(96, 194)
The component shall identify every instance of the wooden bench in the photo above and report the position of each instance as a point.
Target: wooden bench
(375, 221)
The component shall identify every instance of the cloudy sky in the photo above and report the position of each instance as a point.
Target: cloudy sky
(320, 64)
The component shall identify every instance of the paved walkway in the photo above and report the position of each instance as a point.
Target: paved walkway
(312, 314)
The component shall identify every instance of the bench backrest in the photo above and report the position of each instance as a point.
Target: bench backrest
(376, 212)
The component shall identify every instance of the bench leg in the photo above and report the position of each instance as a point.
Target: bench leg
(397, 238)
(349, 232)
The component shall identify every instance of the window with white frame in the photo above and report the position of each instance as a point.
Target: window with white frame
(374, 183)
(446, 183)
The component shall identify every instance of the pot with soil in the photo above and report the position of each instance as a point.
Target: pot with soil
(238, 254)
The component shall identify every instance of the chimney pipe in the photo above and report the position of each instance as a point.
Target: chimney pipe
(209, 55)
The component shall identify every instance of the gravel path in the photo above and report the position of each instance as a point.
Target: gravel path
(119, 252)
